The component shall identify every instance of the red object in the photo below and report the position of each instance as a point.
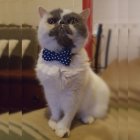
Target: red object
(88, 47)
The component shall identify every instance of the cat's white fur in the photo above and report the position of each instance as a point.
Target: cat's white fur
(70, 91)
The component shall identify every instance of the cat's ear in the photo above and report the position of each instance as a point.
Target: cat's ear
(42, 11)
(85, 14)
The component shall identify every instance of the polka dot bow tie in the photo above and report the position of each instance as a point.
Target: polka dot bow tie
(63, 56)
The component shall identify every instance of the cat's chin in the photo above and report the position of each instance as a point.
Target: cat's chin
(55, 49)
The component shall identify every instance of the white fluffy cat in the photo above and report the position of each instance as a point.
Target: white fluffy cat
(74, 89)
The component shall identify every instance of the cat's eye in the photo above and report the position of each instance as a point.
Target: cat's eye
(52, 20)
(72, 20)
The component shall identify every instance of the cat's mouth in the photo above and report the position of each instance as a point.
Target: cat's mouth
(62, 34)
(65, 30)
(60, 30)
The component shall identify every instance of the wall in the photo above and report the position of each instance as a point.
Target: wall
(123, 18)
(26, 11)
(115, 11)
(119, 15)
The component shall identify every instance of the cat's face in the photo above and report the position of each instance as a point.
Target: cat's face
(62, 28)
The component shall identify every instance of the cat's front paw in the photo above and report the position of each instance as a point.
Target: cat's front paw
(52, 124)
(62, 131)
(88, 119)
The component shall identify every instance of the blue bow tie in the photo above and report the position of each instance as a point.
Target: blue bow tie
(63, 56)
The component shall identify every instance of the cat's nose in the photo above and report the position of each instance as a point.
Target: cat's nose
(61, 22)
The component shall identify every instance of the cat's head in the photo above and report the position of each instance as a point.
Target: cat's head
(62, 28)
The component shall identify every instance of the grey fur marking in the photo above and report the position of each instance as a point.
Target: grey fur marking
(80, 26)
(62, 29)
(56, 13)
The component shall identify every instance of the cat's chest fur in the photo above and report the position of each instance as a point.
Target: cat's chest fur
(55, 76)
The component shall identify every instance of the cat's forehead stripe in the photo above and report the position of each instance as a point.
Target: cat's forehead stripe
(59, 13)
(56, 13)
(72, 14)
(65, 12)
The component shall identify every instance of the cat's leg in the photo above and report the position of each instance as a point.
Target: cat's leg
(101, 102)
(55, 117)
(54, 109)
(98, 95)
(55, 112)
(85, 112)
(63, 126)
(94, 105)
(100, 111)
(86, 118)
(70, 109)
(93, 109)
